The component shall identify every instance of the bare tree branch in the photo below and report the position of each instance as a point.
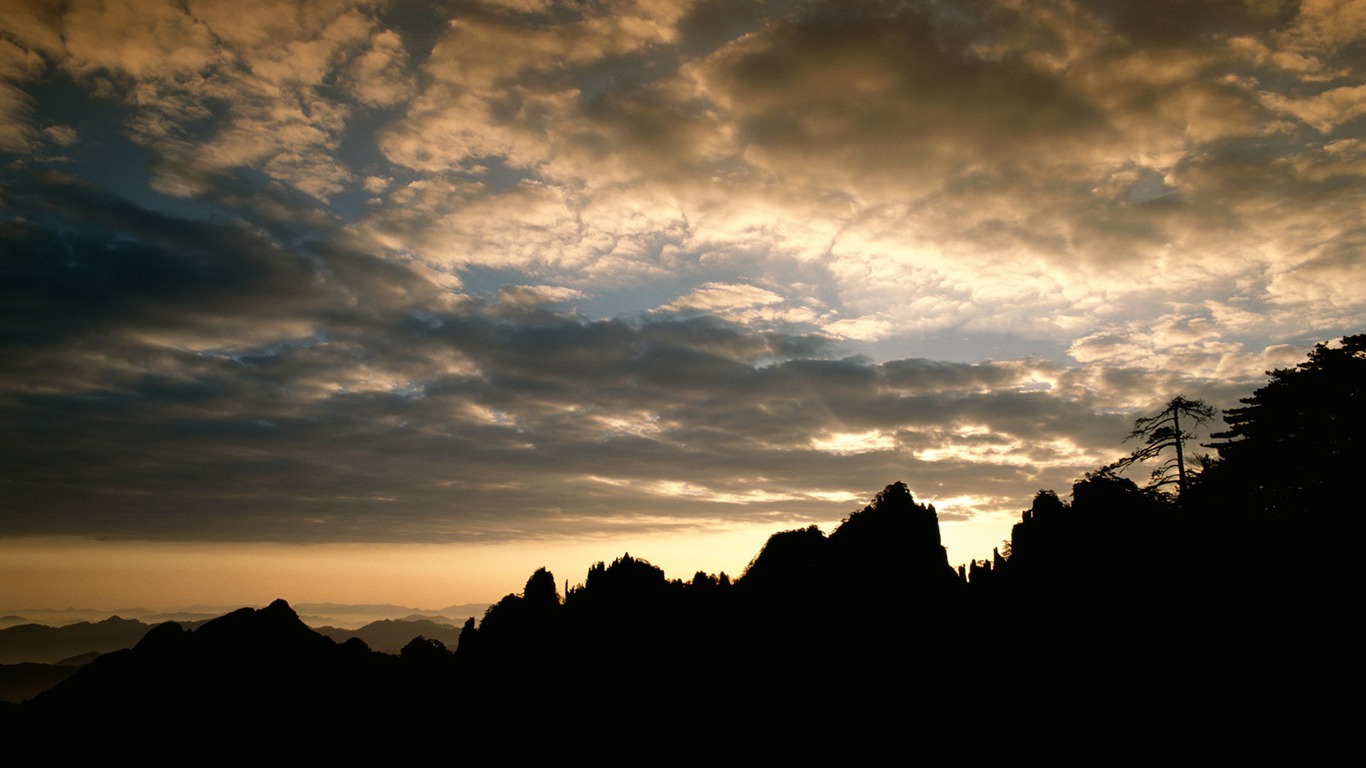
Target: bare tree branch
(1164, 431)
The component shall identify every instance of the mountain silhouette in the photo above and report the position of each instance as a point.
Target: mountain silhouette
(871, 614)
(1121, 617)
(35, 642)
(250, 668)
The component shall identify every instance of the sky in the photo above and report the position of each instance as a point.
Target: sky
(370, 301)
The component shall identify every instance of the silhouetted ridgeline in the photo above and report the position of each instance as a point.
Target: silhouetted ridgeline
(1124, 619)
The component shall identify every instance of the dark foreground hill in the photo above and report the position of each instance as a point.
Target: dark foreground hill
(1136, 643)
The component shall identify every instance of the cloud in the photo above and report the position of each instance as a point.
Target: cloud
(1325, 111)
(349, 270)
(532, 295)
(137, 39)
(632, 141)
(19, 63)
(745, 304)
(878, 97)
(217, 88)
(380, 77)
(498, 86)
(340, 407)
(1328, 281)
(867, 328)
(16, 131)
(1328, 25)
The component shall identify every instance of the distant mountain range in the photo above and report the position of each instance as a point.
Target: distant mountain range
(49, 645)
(348, 616)
(391, 635)
(34, 657)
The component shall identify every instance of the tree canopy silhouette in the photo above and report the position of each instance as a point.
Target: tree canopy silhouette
(1296, 443)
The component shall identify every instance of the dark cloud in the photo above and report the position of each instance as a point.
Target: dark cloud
(1190, 23)
(886, 94)
(388, 420)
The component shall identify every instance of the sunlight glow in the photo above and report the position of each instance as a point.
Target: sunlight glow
(848, 443)
(1009, 451)
(114, 575)
(681, 489)
(639, 424)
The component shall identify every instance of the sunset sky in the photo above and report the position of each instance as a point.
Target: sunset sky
(398, 301)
